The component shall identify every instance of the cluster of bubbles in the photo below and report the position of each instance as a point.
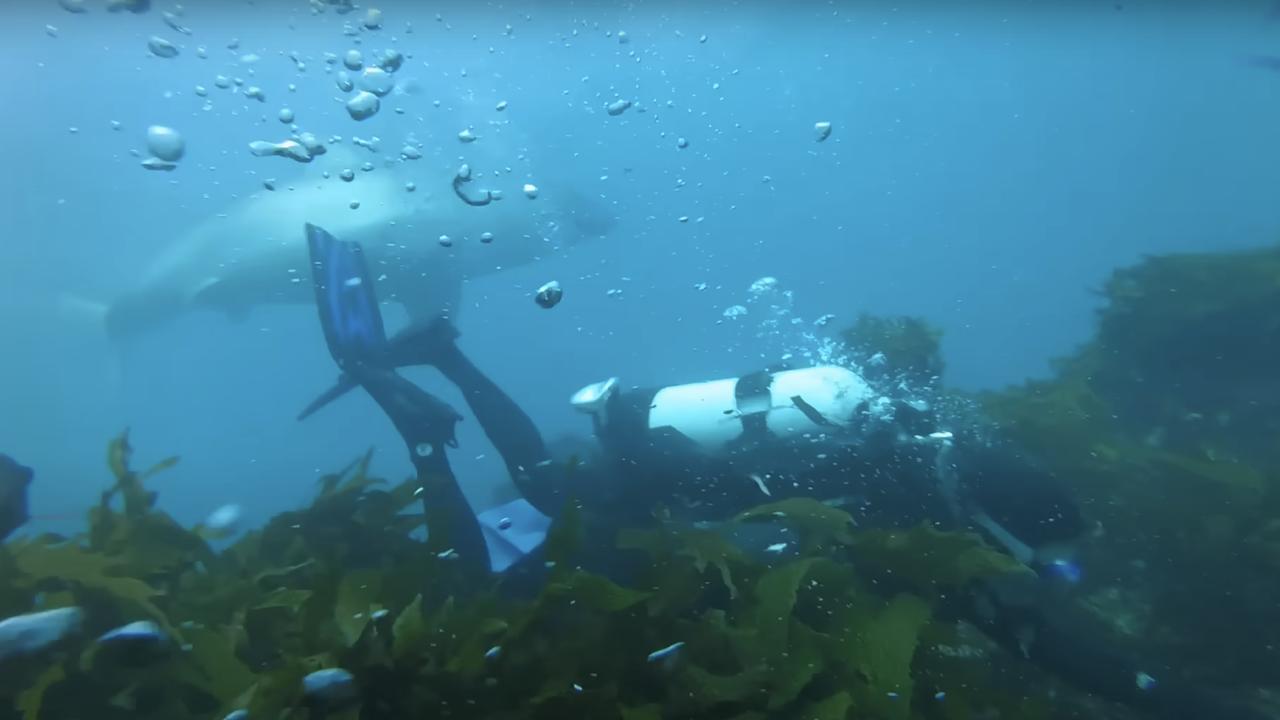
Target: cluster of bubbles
(774, 332)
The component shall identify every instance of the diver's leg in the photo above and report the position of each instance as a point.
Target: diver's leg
(507, 426)
(427, 426)
(453, 531)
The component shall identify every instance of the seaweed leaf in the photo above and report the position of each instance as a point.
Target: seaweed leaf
(284, 598)
(30, 700)
(640, 712)
(776, 595)
(881, 646)
(795, 668)
(818, 525)
(703, 689)
(214, 666)
(356, 601)
(791, 650)
(137, 501)
(703, 547)
(409, 632)
(832, 707)
(276, 691)
(564, 537)
(596, 592)
(66, 562)
(930, 559)
(356, 477)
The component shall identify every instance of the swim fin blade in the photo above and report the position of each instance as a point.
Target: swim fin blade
(345, 298)
(344, 385)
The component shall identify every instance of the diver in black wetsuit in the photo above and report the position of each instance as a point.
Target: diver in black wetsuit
(14, 479)
(656, 448)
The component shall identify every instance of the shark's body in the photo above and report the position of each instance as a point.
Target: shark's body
(255, 252)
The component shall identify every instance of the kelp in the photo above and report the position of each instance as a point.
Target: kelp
(908, 345)
(1165, 424)
(342, 583)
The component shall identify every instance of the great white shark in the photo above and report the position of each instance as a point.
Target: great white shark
(421, 244)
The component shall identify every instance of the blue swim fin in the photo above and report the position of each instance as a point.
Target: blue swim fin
(511, 532)
(346, 299)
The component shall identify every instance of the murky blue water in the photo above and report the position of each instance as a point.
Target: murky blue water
(989, 164)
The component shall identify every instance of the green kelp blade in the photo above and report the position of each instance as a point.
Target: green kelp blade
(29, 701)
(409, 632)
(679, 557)
(881, 646)
(38, 563)
(159, 467)
(284, 598)
(595, 592)
(832, 707)
(696, 691)
(214, 667)
(652, 711)
(793, 670)
(276, 691)
(818, 525)
(357, 600)
(776, 598)
(353, 478)
(790, 649)
(564, 537)
(137, 501)
(932, 560)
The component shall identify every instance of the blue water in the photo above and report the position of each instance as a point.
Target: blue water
(990, 164)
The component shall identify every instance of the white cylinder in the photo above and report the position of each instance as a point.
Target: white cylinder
(814, 400)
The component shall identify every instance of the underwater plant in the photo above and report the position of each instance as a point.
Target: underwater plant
(336, 611)
(908, 345)
(1165, 425)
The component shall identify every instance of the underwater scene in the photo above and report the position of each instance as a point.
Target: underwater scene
(542, 359)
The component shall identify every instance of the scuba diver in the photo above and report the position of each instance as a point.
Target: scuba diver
(703, 452)
(14, 479)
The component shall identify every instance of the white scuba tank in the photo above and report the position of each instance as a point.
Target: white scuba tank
(785, 405)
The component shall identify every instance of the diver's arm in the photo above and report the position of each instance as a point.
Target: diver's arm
(1080, 650)
(1024, 508)
(427, 426)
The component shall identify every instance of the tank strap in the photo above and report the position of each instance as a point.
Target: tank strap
(751, 393)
